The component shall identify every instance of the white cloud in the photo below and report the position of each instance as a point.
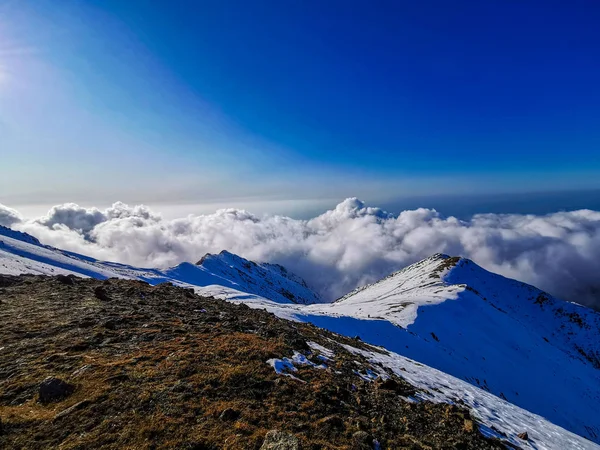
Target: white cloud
(343, 248)
(8, 216)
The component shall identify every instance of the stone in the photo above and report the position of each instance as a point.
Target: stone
(229, 414)
(362, 440)
(523, 436)
(280, 440)
(65, 279)
(54, 389)
(72, 409)
(389, 384)
(101, 294)
(469, 426)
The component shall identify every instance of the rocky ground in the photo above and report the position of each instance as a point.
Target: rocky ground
(121, 364)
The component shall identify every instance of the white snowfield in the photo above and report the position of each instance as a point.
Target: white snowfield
(449, 327)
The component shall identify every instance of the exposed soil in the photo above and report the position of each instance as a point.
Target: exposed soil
(142, 367)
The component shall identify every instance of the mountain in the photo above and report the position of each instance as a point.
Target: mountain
(270, 281)
(504, 336)
(22, 253)
(518, 359)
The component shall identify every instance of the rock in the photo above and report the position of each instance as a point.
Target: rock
(86, 323)
(332, 421)
(362, 440)
(110, 325)
(65, 279)
(229, 414)
(523, 436)
(8, 281)
(389, 384)
(280, 440)
(54, 389)
(101, 294)
(1, 429)
(298, 343)
(75, 407)
(469, 426)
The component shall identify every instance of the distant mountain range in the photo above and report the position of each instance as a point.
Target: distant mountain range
(526, 359)
(22, 253)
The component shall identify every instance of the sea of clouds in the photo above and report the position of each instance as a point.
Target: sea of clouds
(343, 248)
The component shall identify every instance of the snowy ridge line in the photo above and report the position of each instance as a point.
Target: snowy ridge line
(21, 253)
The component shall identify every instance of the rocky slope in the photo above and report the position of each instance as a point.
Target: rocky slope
(122, 364)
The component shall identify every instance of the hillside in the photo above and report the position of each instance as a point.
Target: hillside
(22, 253)
(517, 358)
(502, 335)
(121, 364)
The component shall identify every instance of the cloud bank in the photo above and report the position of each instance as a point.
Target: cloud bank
(343, 248)
(8, 216)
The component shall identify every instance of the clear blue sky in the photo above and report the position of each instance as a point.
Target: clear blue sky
(239, 101)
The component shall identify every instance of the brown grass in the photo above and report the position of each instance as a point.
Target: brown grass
(157, 373)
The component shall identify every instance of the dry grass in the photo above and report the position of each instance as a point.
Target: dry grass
(156, 367)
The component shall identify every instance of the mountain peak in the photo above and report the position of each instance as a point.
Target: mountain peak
(505, 336)
(271, 281)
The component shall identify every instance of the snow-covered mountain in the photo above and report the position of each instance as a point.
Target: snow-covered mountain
(507, 337)
(519, 358)
(270, 281)
(22, 253)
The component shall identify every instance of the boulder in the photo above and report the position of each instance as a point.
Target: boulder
(65, 279)
(388, 384)
(101, 294)
(54, 389)
(361, 440)
(523, 436)
(229, 414)
(280, 440)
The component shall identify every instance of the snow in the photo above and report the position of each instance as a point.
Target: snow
(302, 360)
(325, 353)
(270, 281)
(284, 366)
(500, 335)
(414, 285)
(493, 412)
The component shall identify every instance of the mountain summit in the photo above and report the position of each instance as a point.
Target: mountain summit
(271, 281)
(502, 335)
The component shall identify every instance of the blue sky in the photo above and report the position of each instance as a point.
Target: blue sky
(237, 103)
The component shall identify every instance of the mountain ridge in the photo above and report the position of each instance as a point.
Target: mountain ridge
(445, 312)
(23, 253)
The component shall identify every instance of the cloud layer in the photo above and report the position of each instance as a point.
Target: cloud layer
(8, 216)
(343, 248)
